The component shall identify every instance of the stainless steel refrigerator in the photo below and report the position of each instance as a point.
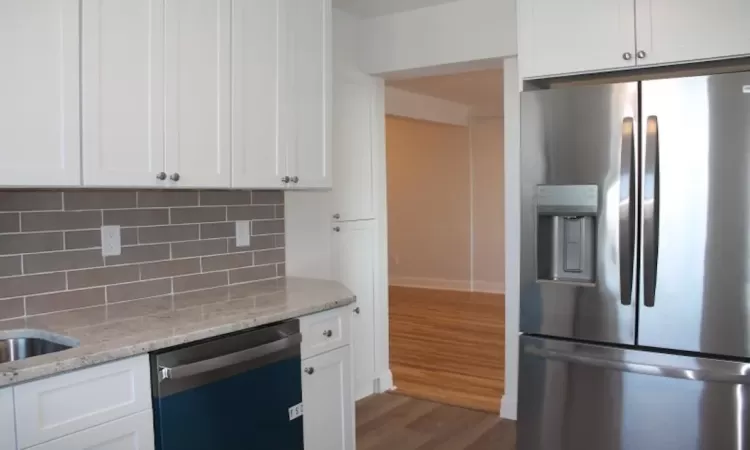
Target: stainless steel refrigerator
(635, 266)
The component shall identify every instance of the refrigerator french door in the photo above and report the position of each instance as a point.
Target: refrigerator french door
(635, 306)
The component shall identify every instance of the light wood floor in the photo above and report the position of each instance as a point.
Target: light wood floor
(389, 421)
(448, 346)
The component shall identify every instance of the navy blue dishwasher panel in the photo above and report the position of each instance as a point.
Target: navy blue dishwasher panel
(248, 411)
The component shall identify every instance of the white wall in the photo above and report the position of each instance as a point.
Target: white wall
(452, 33)
(401, 103)
(487, 204)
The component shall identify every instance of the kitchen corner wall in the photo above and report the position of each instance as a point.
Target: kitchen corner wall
(175, 245)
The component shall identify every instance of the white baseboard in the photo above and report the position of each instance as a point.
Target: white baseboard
(430, 283)
(508, 408)
(384, 382)
(490, 287)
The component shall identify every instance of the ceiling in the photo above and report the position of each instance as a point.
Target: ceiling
(371, 8)
(481, 89)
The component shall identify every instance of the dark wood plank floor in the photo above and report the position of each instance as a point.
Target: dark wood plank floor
(390, 421)
(448, 346)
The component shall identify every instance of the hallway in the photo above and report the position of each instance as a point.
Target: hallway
(448, 346)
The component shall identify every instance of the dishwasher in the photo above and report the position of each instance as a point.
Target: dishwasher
(240, 391)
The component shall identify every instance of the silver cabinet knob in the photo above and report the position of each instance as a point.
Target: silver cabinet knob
(627, 56)
(295, 179)
(337, 216)
(356, 310)
(309, 370)
(175, 177)
(641, 54)
(328, 333)
(336, 229)
(161, 176)
(285, 179)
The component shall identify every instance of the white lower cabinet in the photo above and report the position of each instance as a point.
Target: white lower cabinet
(134, 432)
(7, 420)
(328, 402)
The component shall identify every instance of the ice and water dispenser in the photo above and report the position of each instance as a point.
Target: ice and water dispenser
(566, 233)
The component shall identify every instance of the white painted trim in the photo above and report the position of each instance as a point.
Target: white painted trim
(381, 338)
(430, 283)
(512, 125)
(384, 382)
(399, 102)
(492, 287)
(508, 408)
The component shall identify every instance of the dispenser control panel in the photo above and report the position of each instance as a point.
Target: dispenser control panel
(580, 199)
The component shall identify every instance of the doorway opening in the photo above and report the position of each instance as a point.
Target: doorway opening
(446, 249)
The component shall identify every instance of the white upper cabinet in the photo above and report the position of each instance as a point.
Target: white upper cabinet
(39, 93)
(582, 36)
(123, 92)
(565, 37)
(259, 148)
(308, 101)
(671, 31)
(353, 110)
(198, 93)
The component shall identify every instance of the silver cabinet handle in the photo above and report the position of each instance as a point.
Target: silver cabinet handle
(328, 333)
(641, 54)
(356, 310)
(336, 229)
(627, 56)
(309, 370)
(627, 210)
(651, 211)
(207, 365)
(161, 176)
(285, 179)
(337, 216)
(295, 179)
(175, 177)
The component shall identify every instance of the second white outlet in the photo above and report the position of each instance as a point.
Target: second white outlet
(242, 233)
(111, 240)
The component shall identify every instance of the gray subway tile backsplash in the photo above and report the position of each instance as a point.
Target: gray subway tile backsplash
(176, 246)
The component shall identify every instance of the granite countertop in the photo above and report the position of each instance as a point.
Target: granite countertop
(146, 328)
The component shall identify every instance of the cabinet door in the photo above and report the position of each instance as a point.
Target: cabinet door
(198, 92)
(258, 148)
(566, 37)
(354, 265)
(327, 401)
(309, 102)
(123, 92)
(353, 103)
(7, 420)
(134, 432)
(39, 93)
(670, 31)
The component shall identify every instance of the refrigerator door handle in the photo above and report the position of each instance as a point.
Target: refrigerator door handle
(651, 212)
(684, 373)
(627, 210)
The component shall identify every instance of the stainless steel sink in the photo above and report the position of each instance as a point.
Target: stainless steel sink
(22, 344)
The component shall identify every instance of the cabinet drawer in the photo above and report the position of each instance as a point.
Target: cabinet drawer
(324, 331)
(134, 432)
(63, 404)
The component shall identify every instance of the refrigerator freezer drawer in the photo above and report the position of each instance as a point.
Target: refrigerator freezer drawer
(588, 397)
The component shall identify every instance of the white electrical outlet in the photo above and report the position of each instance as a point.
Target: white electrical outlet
(242, 233)
(111, 240)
